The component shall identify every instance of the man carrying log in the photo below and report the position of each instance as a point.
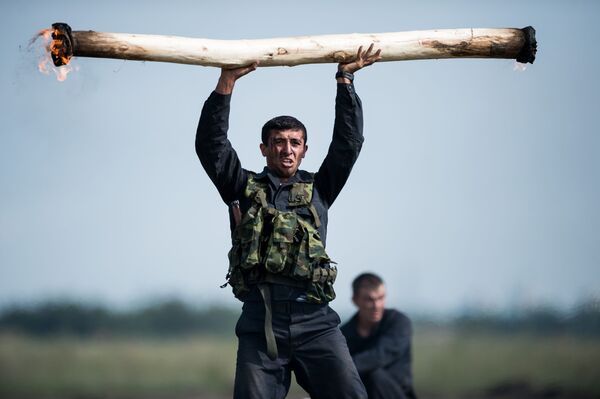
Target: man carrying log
(278, 265)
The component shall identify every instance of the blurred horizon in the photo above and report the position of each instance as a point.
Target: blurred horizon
(149, 302)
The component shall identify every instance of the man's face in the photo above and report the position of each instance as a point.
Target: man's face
(370, 303)
(284, 151)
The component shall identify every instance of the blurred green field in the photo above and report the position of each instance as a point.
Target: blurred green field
(451, 364)
(446, 364)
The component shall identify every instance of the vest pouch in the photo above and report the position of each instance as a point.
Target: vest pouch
(235, 255)
(238, 283)
(281, 241)
(311, 252)
(320, 292)
(316, 250)
(302, 269)
(248, 237)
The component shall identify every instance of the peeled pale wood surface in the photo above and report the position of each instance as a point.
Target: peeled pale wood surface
(291, 51)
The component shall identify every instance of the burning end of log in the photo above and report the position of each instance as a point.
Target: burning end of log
(506, 43)
(61, 49)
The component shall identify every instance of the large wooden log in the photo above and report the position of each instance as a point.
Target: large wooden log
(507, 43)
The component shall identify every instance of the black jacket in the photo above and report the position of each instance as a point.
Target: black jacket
(388, 347)
(223, 166)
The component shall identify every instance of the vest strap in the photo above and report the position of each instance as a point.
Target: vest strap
(315, 215)
(269, 335)
(262, 199)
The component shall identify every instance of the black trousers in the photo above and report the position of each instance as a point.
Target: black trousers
(309, 343)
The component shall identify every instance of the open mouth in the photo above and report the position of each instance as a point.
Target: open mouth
(287, 162)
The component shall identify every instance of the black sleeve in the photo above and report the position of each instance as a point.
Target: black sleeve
(345, 145)
(392, 343)
(216, 154)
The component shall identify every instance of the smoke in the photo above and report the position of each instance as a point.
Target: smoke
(519, 67)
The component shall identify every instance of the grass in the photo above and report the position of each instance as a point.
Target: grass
(67, 367)
(445, 364)
(457, 364)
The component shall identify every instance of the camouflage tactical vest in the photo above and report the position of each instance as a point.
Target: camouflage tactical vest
(280, 246)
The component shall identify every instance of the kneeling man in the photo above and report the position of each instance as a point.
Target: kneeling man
(379, 340)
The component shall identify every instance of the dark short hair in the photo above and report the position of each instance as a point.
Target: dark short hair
(279, 123)
(366, 280)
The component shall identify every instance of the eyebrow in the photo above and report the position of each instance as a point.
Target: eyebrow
(292, 140)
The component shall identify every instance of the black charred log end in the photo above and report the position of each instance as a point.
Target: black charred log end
(529, 49)
(62, 46)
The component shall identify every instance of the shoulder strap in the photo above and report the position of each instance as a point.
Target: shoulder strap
(256, 190)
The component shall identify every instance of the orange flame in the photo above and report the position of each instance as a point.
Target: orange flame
(52, 46)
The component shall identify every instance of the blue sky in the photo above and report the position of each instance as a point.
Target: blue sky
(478, 185)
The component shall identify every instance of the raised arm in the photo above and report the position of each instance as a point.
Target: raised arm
(214, 150)
(347, 131)
(230, 76)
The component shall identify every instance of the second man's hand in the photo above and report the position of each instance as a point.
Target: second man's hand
(229, 76)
